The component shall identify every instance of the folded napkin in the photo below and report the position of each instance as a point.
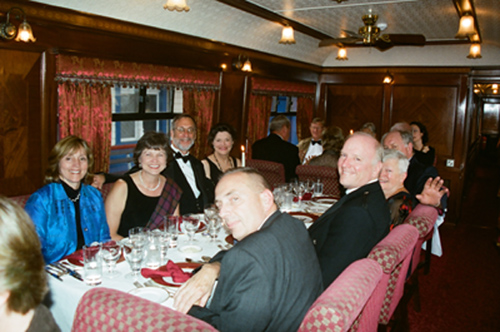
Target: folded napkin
(76, 256)
(169, 270)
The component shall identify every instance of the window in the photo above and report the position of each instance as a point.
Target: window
(136, 111)
(287, 106)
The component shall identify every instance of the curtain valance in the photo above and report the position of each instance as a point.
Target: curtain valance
(110, 72)
(265, 86)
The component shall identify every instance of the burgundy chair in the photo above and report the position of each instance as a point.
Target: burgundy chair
(106, 188)
(423, 217)
(340, 304)
(393, 254)
(273, 172)
(105, 310)
(328, 175)
(21, 200)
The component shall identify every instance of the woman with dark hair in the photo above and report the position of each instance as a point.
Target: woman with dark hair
(221, 138)
(67, 212)
(423, 152)
(23, 282)
(143, 198)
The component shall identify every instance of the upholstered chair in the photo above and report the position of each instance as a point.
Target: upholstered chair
(273, 172)
(340, 304)
(328, 175)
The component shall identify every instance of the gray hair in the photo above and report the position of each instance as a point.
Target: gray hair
(279, 122)
(370, 126)
(403, 162)
(405, 135)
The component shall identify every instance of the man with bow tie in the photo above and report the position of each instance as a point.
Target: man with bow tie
(186, 170)
(311, 147)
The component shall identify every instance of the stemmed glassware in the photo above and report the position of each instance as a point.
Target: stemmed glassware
(191, 224)
(300, 189)
(111, 252)
(134, 253)
(214, 222)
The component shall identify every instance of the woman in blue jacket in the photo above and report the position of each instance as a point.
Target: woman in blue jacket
(66, 212)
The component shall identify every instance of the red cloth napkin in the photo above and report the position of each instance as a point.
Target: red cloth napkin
(169, 270)
(305, 197)
(77, 255)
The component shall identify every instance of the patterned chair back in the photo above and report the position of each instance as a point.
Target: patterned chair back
(21, 200)
(273, 172)
(393, 254)
(423, 217)
(328, 175)
(104, 309)
(340, 304)
(106, 188)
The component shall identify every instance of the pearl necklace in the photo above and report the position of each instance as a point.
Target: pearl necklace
(144, 185)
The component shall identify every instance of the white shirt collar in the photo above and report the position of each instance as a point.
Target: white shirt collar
(348, 191)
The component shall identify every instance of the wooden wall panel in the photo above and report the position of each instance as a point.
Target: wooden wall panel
(350, 106)
(433, 106)
(20, 171)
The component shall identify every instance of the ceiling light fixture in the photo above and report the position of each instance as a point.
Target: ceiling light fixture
(9, 31)
(475, 51)
(287, 36)
(179, 5)
(466, 27)
(342, 54)
(242, 63)
(388, 78)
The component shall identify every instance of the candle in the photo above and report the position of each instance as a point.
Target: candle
(351, 131)
(243, 156)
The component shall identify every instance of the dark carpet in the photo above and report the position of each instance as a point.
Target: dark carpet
(462, 290)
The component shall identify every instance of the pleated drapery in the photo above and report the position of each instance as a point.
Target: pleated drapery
(259, 111)
(85, 97)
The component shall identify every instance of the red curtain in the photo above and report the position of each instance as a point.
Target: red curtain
(200, 105)
(305, 108)
(259, 110)
(85, 111)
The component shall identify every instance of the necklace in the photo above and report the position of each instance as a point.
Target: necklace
(144, 185)
(74, 200)
(217, 161)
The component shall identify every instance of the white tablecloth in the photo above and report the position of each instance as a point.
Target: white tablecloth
(65, 295)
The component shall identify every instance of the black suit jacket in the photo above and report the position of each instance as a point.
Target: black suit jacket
(417, 175)
(188, 202)
(267, 281)
(274, 148)
(350, 229)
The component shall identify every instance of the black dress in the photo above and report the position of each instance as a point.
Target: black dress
(215, 172)
(400, 205)
(138, 208)
(426, 158)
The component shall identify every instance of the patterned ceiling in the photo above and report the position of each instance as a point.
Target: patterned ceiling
(437, 20)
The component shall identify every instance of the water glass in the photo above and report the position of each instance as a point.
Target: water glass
(111, 252)
(214, 224)
(92, 264)
(318, 189)
(138, 235)
(156, 248)
(134, 254)
(191, 224)
(287, 202)
(172, 227)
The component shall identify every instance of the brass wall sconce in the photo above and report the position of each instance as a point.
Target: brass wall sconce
(466, 27)
(179, 5)
(287, 36)
(9, 31)
(342, 54)
(475, 51)
(242, 63)
(388, 78)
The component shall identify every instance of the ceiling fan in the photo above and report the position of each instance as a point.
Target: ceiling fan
(369, 34)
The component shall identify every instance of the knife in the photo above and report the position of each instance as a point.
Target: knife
(54, 275)
(71, 272)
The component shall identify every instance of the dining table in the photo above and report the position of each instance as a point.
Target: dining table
(66, 291)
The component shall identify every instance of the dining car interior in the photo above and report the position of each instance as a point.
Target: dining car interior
(109, 72)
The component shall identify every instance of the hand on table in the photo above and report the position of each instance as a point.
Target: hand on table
(198, 288)
(432, 192)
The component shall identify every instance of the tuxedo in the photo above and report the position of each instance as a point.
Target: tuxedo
(267, 281)
(188, 202)
(350, 229)
(274, 148)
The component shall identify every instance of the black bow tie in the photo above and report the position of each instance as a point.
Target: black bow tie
(316, 142)
(178, 155)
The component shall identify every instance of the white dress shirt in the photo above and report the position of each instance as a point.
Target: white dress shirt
(187, 170)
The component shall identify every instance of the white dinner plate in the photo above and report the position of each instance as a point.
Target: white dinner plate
(190, 249)
(328, 201)
(303, 218)
(153, 294)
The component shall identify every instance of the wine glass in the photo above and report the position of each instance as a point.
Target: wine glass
(111, 252)
(214, 224)
(300, 189)
(134, 254)
(191, 224)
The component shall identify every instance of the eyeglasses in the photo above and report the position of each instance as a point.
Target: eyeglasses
(183, 130)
